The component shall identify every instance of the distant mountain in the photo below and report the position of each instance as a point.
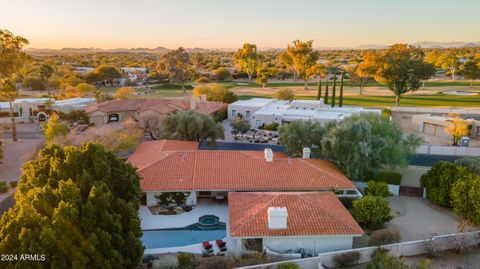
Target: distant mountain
(457, 44)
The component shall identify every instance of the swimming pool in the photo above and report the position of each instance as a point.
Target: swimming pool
(169, 238)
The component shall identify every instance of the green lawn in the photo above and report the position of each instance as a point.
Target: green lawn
(409, 100)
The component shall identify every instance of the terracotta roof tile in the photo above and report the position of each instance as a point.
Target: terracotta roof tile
(230, 170)
(309, 214)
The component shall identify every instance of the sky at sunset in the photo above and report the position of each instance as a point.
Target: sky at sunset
(228, 24)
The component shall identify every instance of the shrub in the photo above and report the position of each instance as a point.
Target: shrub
(470, 163)
(381, 260)
(216, 262)
(186, 260)
(252, 259)
(221, 115)
(168, 198)
(346, 259)
(377, 189)
(389, 177)
(288, 265)
(3, 187)
(371, 211)
(465, 197)
(439, 181)
(271, 127)
(13, 184)
(166, 262)
(384, 237)
(187, 208)
(74, 116)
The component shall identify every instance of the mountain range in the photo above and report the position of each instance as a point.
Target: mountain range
(423, 44)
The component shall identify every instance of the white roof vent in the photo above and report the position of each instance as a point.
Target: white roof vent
(269, 155)
(277, 218)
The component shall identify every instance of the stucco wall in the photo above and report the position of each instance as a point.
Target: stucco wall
(312, 245)
(241, 109)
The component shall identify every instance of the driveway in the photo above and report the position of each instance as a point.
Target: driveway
(418, 219)
(15, 155)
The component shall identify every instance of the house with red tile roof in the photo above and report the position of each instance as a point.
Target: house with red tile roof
(119, 110)
(173, 166)
(288, 221)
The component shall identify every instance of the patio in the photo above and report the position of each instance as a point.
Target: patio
(150, 221)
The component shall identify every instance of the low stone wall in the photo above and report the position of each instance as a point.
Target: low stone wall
(411, 248)
(448, 150)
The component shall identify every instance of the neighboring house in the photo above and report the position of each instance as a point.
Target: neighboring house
(119, 110)
(284, 221)
(435, 125)
(36, 109)
(261, 111)
(174, 166)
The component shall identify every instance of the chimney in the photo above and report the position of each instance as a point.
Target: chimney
(269, 155)
(193, 104)
(306, 153)
(277, 218)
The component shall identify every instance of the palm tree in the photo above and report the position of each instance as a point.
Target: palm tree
(8, 91)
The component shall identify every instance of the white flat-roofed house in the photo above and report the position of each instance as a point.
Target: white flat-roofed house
(261, 111)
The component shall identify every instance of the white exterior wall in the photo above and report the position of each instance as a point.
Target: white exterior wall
(314, 244)
(151, 200)
(264, 119)
(242, 109)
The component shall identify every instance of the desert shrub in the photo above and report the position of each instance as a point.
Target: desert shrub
(187, 208)
(381, 260)
(377, 189)
(166, 262)
(371, 211)
(13, 184)
(216, 262)
(186, 260)
(439, 181)
(470, 163)
(74, 116)
(346, 259)
(288, 265)
(384, 237)
(389, 177)
(3, 187)
(168, 198)
(247, 259)
(271, 127)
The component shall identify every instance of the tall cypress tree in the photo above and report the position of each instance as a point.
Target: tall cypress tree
(319, 92)
(333, 89)
(340, 98)
(325, 101)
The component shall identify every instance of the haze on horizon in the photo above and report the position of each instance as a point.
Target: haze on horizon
(109, 24)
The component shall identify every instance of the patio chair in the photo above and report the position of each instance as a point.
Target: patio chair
(207, 246)
(221, 245)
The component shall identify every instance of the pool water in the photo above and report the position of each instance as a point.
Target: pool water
(169, 238)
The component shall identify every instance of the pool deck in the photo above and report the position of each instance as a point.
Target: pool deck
(150, 221)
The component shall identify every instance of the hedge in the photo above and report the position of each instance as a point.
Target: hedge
(389, 177)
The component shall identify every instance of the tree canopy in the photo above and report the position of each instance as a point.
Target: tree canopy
(55, 128)
(176, 65)
(400, 67)
(79, 207)
(103, 72)
(285, 94)
(215, 92)
(248, 59)
(360, 145)
(191, 126)
(124, 93)
(303, 58)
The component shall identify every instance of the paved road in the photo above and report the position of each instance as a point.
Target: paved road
(6, 204)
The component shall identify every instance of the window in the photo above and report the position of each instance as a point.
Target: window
(234, 113)
(113, 117)
(257, 123)
(247, 114)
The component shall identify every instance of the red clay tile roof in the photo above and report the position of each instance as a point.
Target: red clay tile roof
(162, 106)
(190, 169)
(309, 214)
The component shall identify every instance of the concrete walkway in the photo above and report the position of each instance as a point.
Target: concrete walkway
(417, 219)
